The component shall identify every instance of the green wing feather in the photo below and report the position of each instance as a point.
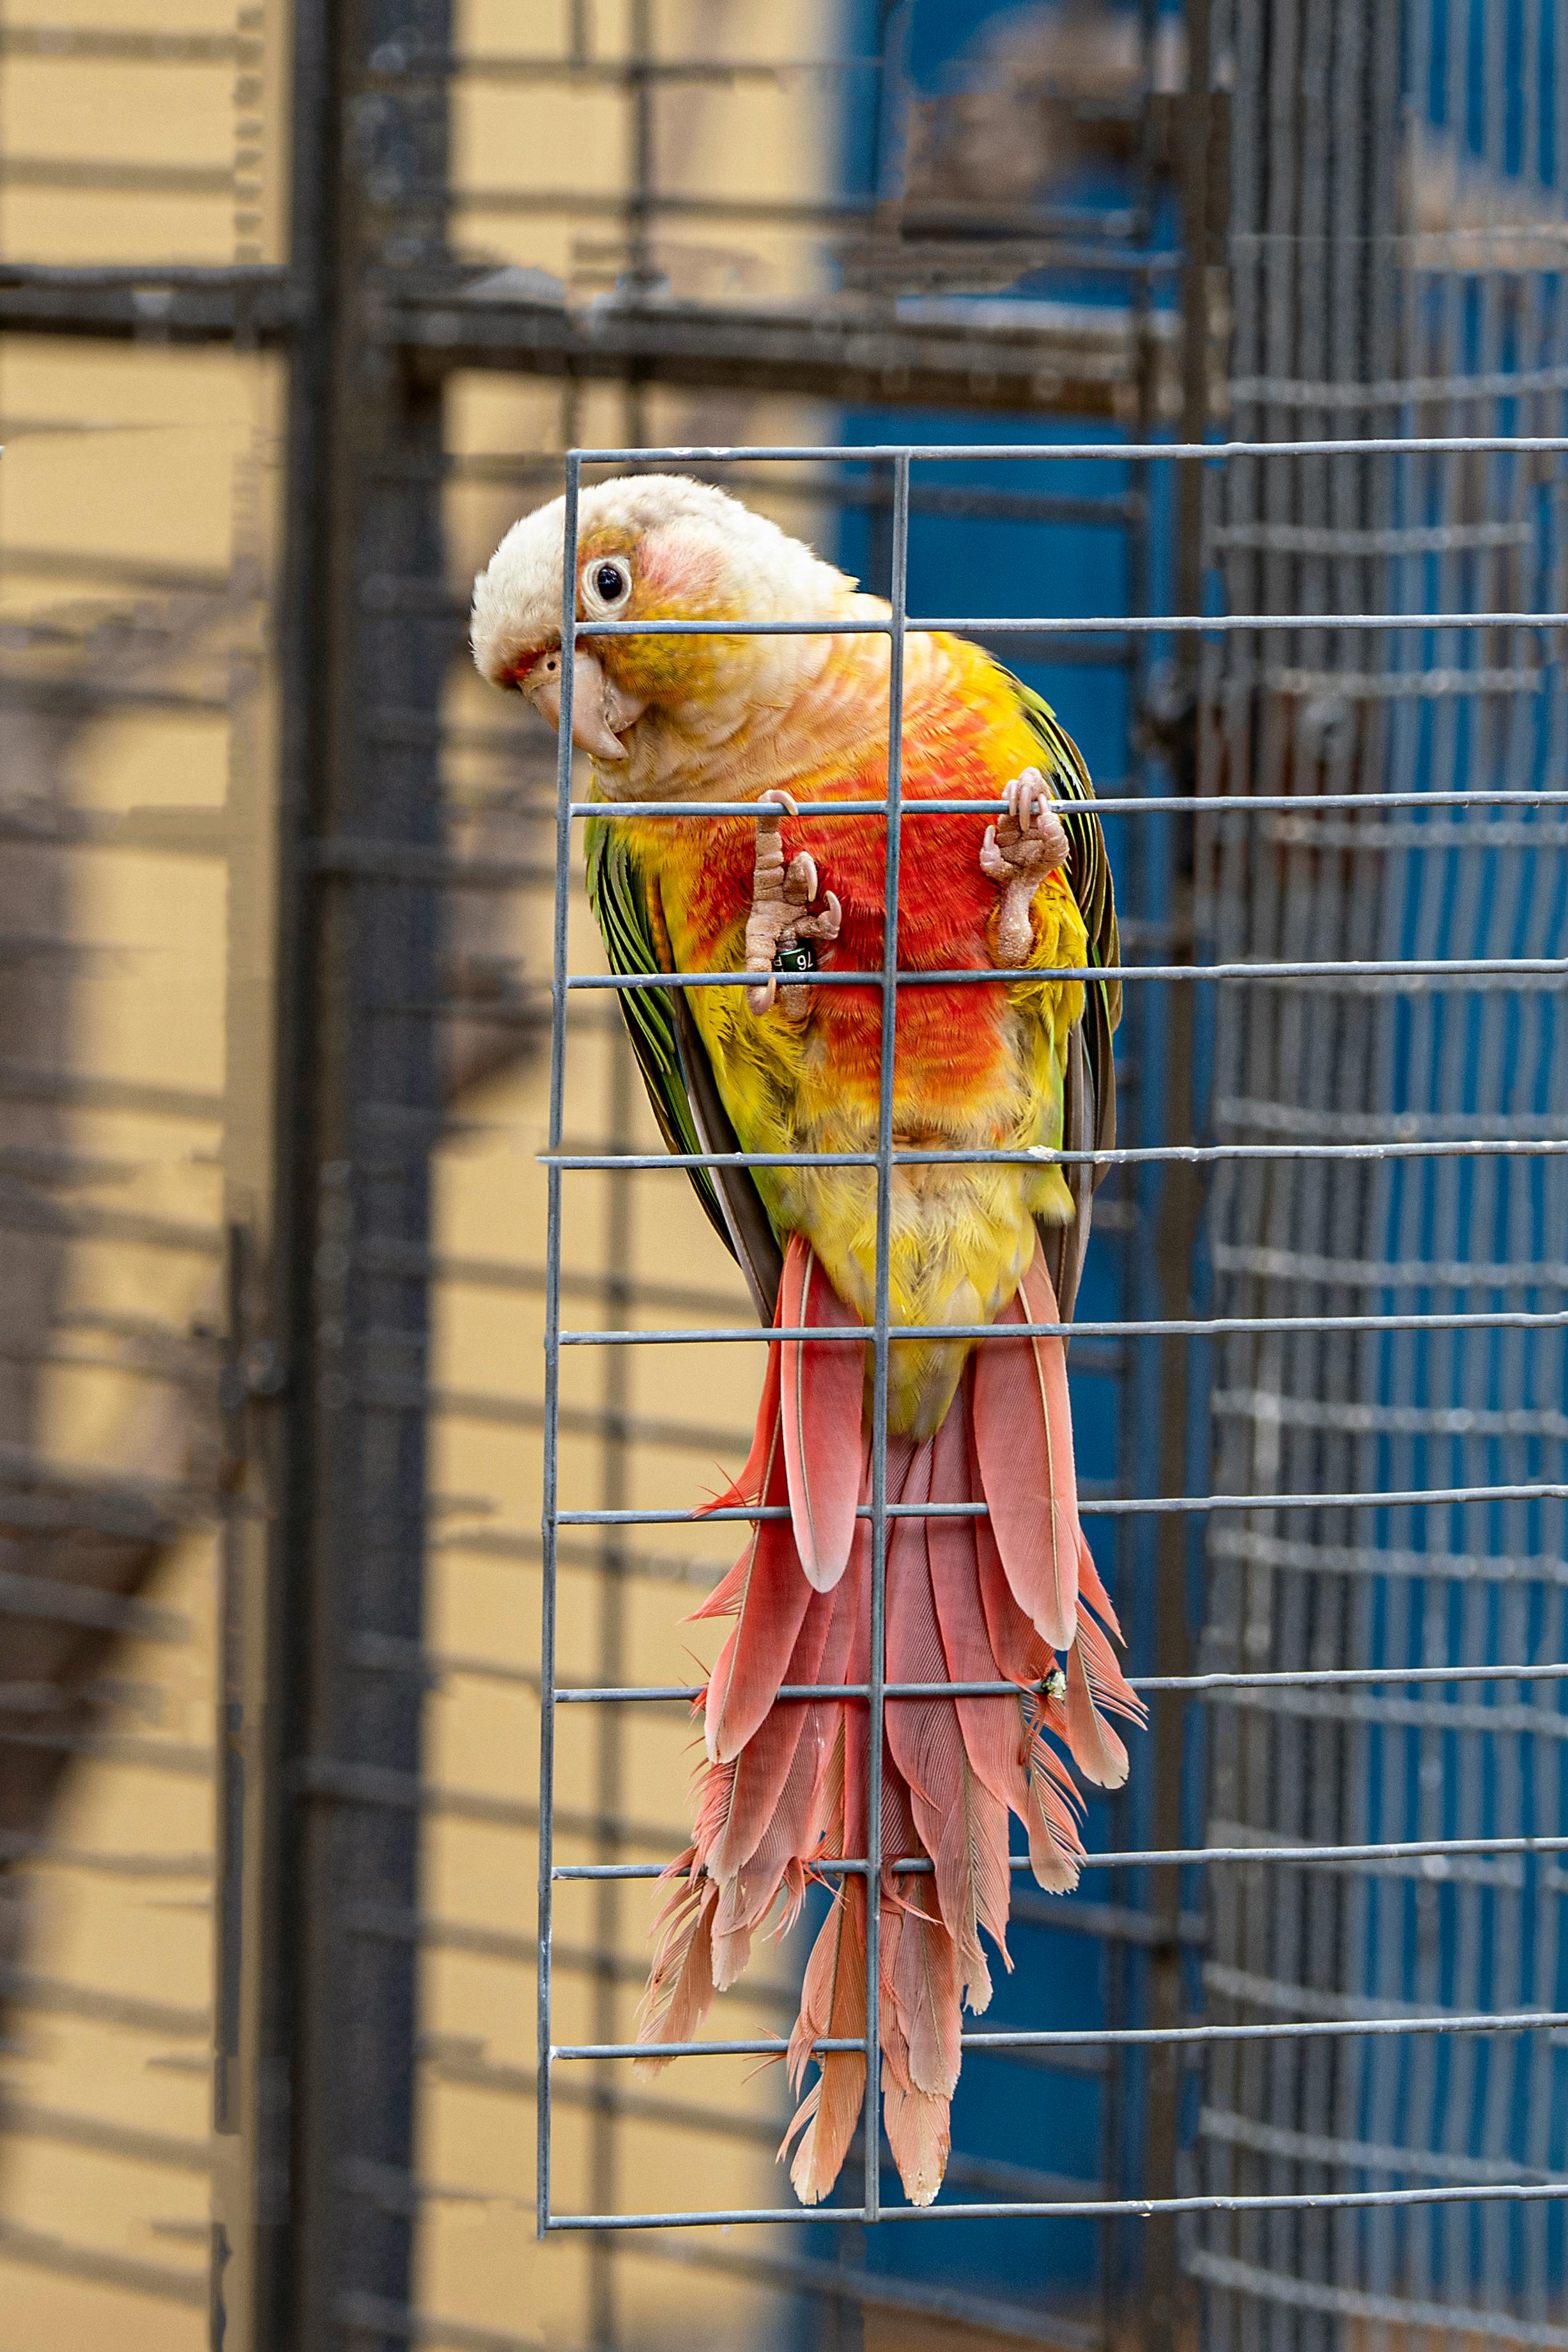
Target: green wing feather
(618, 895)
(1088, 1085)
(675, 1069)
(1088, 873)
(1089, 869)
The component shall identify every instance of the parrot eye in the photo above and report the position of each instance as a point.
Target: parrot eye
(609, 582)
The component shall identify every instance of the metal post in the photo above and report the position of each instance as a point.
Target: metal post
(551, 1524)
(876, 1711)
(315, 2106)
(619, 1293)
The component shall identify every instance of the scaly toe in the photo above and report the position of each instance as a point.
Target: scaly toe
(800, 883)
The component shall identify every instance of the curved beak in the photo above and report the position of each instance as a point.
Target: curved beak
(600, 709)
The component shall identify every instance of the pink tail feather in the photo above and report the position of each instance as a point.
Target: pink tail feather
(1023, 1437)
(821, 1386)
(772, 1602)
(681, 1985)
(988, 1599)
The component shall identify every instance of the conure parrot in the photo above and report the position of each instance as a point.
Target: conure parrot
(780, 1064)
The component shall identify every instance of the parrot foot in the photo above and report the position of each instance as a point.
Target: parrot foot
(781, 917)
(1018, 852)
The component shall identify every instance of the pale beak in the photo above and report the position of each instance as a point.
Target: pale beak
(600, 709)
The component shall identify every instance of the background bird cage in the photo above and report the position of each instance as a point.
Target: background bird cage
(292, 321)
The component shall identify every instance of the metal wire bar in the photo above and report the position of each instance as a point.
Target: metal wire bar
(1154, 1155)
(1353, 1677)
(1131, 625)
(1125, 1858)
(882, 1354)
(870, 453)
(1507, 1318)
(1089, 2208)
(1110, 803)
(1553, 968)
(1525, 1491)
(1371, 2155)
(551, 1517)
(1138, 2036)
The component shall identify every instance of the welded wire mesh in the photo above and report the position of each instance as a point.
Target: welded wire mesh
(1318, 1665)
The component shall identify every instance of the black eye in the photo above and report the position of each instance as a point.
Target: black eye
(610, 583)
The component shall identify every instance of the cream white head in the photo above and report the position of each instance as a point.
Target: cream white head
(657, 710)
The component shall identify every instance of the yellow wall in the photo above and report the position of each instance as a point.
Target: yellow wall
(137, 491)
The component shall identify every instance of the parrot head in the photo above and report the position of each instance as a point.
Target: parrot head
(671, 711)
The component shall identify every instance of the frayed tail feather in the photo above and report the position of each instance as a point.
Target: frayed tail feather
(832, 2005)
(821, 1387)
(681, 1987)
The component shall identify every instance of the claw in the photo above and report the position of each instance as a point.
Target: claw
(782, 897)
(1028, 843)
(800, 881)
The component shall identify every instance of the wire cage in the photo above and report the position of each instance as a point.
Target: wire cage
(1436, 1856)
(1234, 421)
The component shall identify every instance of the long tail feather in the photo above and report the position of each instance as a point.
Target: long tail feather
(1021, 1656)
(961, 1823)
(989, 1726)
(772, 1602)
(1023, 1432)
(821, 1386)
(832, 2005)
(925, 1992)
(748, 1484)
(924, 2003)
(920, 2138)
(988, 1599)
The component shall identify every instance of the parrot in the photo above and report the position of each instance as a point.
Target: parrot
(780, 1064)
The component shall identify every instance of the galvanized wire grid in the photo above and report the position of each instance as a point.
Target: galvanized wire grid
(1419, 2024)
